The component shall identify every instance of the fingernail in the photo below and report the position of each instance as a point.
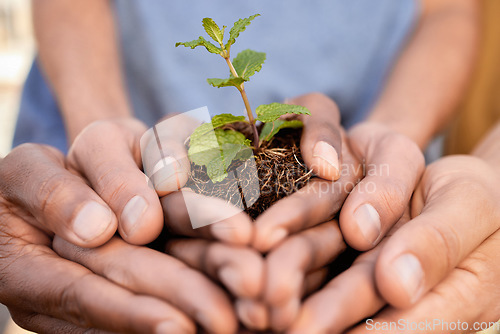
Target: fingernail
(368, 221)
(231, 278)
(276, 237)
(327, 153)
(252, 314)
(92, 220)
(132, 213)
(410, 274)
(168, 175)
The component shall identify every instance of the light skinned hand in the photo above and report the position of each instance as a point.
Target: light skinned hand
(46, 293)
(433, 265)
(107, 154)
(387, 164)
(294, 267)
(324, 151)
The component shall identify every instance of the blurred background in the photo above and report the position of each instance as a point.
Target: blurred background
(479, 110)
(16, 53)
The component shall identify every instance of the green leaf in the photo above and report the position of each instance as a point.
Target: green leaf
(213, 30)
(201, 42)
(238, 27)
(229, 136)
(218, 148)
(217, 168)
(248, 62)
(271, 112)
(232, 81)
(269, 130)
(217, 121)
(223, 119)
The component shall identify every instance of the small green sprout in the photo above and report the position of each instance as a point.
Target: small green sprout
(217, 151)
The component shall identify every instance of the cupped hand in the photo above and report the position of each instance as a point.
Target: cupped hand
(445, 257)
(392, 166)
(146, 272)
(108, 155)
(378, 168)
(46, 293)
(98, 189)
(324, 150)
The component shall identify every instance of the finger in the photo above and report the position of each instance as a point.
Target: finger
(288, 264)
(107, 154)
(39, 281)
(421, 253)
(344, 301)
(57, 200)
(393, 167)
(148, 272)
(321, 143)
(313, 204)
(314, 280)
(253, 314)
(185, 211)
(473, 283)
(240, 269)
(40, 323)
(164, 154)
(282, 316)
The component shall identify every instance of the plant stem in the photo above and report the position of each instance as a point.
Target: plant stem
(250, 117)
(247, 104)
(231, 67)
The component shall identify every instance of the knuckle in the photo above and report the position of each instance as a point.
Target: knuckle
(447, 241)
(52, 188)
(393, 199)
(18, 166)
(111, 184)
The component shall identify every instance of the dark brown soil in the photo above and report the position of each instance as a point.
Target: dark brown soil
(280, 169)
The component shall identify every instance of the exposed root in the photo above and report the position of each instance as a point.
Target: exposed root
(280, 171)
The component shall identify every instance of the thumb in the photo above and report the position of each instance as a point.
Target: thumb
(164, 154)
(321, 142)
(35, 178)
(393, 167)
(447, 229)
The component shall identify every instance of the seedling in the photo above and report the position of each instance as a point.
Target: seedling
(219, 151)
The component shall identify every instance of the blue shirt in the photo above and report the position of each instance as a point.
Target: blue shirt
(343, 48)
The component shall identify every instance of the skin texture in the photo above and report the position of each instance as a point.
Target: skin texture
(98, 287)
(456, 214)
(79, 54)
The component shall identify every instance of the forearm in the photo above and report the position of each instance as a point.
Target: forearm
(431, 73)
(78, 51)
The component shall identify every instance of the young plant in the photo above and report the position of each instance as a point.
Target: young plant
(217, 149)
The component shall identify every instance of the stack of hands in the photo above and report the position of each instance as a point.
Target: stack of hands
(429, 238)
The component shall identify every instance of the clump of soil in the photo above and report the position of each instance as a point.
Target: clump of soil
(280, 170)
